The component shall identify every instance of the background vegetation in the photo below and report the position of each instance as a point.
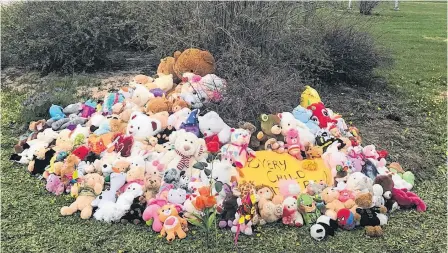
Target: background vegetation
(401, 108)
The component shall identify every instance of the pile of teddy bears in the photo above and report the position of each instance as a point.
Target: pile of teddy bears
(143, 153)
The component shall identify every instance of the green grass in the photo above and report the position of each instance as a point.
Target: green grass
(31, 220)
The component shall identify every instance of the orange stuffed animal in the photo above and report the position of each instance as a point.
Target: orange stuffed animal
(194, 61)
(172, 223)
(158, 104)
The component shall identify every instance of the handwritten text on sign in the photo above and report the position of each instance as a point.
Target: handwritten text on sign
(269, 167)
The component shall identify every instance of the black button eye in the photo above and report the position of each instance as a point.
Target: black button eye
(101, 197)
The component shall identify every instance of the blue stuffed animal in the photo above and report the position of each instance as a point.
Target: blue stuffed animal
(56, 112)
(304, 115)
(111, 99)
(192, 123)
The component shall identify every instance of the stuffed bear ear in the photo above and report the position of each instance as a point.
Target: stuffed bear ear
(207, 57)
(177, 54)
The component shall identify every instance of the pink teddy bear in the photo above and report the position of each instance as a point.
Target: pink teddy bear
(54, 185)
(150, 213)
(293, 144)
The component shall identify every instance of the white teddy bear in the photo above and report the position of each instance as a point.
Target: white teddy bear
(211, 124)
(188, 149)
(288, 121)
(141, 126)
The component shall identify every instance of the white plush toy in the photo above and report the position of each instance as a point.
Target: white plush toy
(80, 130)
(288, 121)
(141, 126)
(141, 95)
(188, 149)
(211, 124)
(44, 138)
(378, 199)
(399, 182)
(177, 196)
(177, 118)
(359, 182)
(117, 180)
(113, 211)
(164, 82)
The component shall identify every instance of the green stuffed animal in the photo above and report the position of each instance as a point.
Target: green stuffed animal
(270, 136)
(308, 208)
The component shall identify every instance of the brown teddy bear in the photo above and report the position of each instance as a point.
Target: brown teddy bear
(194, 61)
(158, 104)
(269, 205)
(270, 136)
(166, 67)
(90, 186)
(179, 104)
(117, 125)
(254, 142)
(369, 214)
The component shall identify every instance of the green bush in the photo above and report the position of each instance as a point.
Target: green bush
(78, 36)
(62, 36)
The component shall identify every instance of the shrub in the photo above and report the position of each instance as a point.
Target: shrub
(77, 36)
(366, 7)
(62, 36)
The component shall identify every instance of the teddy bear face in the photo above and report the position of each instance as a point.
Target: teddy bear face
(320, 114)
(239, 136)
(359, 182)
(329, 194)
(92, 179)
(177, 196)
(211, 124)
(186, 143)
(345, 195)
(265, 192)
(194, 61)
(307, 203)
(385, 181)
(178, 104)
(140, 96)
(166, 66)
(140, 80)
(364, 200)
(141, 126)
(167, 211)
(137, 173)
(290, 203)
(158, 104)
(270, 124)
(164, 81)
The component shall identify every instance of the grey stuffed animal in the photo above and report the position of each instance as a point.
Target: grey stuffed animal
(72, 119)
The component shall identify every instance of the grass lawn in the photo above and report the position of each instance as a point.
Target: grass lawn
(416, 38)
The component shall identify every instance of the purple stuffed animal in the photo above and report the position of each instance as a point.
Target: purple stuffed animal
(54, 185)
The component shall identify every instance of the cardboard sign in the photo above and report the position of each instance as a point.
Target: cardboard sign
(269, 167)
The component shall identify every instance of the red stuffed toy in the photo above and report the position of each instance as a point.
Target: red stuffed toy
(402, 197)
(320, 114)
(81, 152)
(407, 199)
(123, 144)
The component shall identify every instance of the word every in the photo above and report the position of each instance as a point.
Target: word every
(269, 168)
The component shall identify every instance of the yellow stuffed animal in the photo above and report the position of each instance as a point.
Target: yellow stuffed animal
(91, 186)
(172, 223)
(309, 96)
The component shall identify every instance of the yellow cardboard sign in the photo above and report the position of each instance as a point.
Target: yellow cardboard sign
(269, 167)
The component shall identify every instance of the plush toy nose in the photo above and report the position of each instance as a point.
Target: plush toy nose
(186, 148)
(205, 134)
(104, 165)
(93, 128)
